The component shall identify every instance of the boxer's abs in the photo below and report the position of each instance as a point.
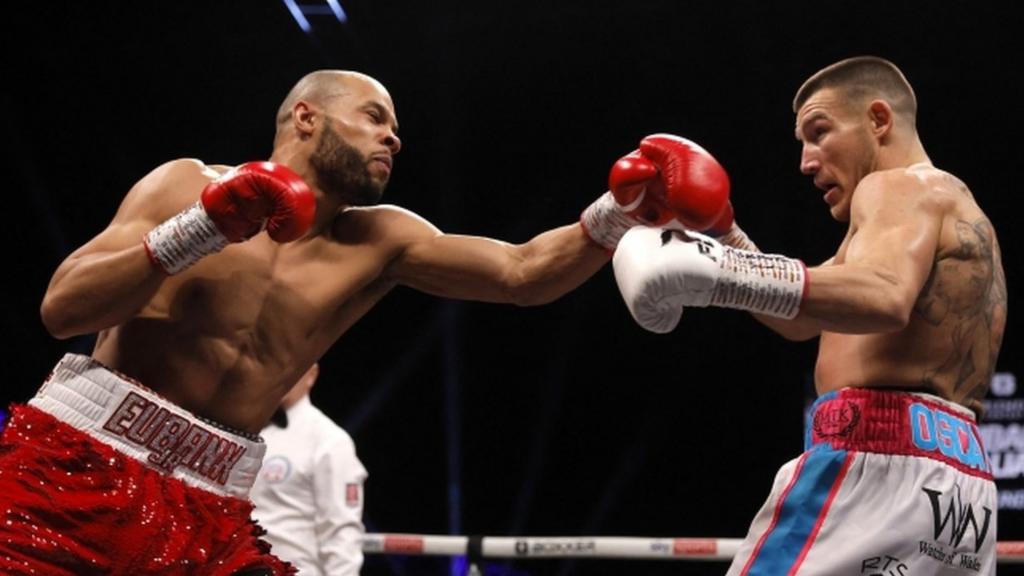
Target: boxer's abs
(227, 345)
(236, 382)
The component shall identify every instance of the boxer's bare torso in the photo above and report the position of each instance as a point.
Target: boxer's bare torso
(228, 337)
(950, 344)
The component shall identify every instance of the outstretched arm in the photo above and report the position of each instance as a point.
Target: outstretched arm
(667, 177)
(476, 268)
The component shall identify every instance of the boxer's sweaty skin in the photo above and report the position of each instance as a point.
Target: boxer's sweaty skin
(950, 341)
(950, 345)
(228, 337)
(915, 297)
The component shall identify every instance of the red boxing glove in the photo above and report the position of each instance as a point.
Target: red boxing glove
(241, 201)
(233, 208)
(638, 189)
(724, 224)
(636, 196)
(667, 178)
(696, 187)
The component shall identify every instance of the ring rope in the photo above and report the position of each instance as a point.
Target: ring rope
(636, 548)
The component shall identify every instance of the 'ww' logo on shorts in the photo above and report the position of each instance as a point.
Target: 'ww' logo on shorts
(958, 516)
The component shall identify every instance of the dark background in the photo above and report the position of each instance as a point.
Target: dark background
(473, 418)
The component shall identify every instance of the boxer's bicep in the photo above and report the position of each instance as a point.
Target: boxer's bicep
(110, 277)
(157, 196)
(456, 266)
(898, 226)
(888, 258)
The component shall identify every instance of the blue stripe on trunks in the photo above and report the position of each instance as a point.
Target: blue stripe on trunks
(800, 511)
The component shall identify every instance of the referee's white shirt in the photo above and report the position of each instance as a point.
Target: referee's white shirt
(309, 494)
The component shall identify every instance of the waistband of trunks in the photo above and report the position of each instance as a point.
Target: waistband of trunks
(901, 423)
(143, 425)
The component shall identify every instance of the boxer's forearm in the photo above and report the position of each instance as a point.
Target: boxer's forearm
(857, 299)
(554, 263)
(89, 293)
(847, 299)
(798, 329)
(477, 268)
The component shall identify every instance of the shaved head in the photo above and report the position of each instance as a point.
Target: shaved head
(318, 88)
(342, 123)
(860, 79)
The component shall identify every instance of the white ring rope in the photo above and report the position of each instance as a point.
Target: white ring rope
(1011, 552)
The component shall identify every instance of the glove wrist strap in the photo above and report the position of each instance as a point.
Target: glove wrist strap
(769, 284)
(183, 240)
(737, 238)
(605, 222)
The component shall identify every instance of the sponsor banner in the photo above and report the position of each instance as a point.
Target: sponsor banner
(694, 547)
(394, 544)
(548, 547)
(403, 544)
(1002, 431)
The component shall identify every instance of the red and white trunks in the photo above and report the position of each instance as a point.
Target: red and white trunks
(99, 475)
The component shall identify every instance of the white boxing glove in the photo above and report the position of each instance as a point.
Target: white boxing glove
(660, 270)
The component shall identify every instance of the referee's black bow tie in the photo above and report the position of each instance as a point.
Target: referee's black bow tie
(280, 418)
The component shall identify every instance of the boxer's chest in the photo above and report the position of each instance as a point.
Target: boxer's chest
(259, 283)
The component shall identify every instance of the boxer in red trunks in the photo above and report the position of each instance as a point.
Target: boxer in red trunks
(217, 319)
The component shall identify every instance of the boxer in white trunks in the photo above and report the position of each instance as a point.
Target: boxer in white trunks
(910, 313)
